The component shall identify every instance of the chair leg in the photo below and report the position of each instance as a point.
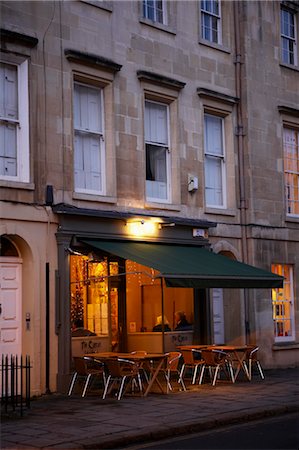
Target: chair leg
(167, 378)
(121, 387)
(202, 374)
(180, 380)
(260, 370)
(72, 383)
(86, 384)
(182, 371)
(246, 370)
(250, 368)
(194, 374)
(230, 368)
(215, 375)
(106, 386)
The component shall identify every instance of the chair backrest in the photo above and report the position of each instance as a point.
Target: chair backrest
(80, 365)
(252, 354)
(173, 359)
(118, 367)
(188, 356)
(213, 357)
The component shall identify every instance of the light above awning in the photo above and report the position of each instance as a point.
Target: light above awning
(190, 266)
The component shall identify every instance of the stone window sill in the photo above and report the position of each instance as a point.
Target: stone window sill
(17, 185)
(94, 198)
(219, 47)
(159, 26)
(289, 66)
(285, 346)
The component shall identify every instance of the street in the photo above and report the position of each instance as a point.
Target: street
(273, 433)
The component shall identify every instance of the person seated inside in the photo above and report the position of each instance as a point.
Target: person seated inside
(158, 326)
(79, 330)
(182, 323)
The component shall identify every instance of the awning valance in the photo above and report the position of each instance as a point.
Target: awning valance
(190, 266)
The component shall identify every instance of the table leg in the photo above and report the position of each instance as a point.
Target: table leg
(155, 379)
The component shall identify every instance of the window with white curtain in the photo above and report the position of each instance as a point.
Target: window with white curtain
(88, 140)
(154, 10)
(14, 122)
(211, 21)
(157, 152)
(288, 36)
(283, 304)
(291, 170)
(214, 161)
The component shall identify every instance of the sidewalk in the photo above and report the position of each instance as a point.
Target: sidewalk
(58, 421)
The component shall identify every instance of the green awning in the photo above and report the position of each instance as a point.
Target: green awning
(190, 266)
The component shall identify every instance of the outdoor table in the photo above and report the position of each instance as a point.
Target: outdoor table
(159, 358)
(239, 354)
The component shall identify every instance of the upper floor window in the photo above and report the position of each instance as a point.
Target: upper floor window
(211, 21)
(291, 170)
(283, 304)
(154, 10)
(14, 123)
(157, 152)
(215, 193)
(288, 36)
(89, 152)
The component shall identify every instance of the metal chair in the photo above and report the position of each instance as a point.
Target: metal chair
(172, 363)
(215, 360)
(251, 359)
(145, 367)
(121, 370)
(88, 368)
(190, 362)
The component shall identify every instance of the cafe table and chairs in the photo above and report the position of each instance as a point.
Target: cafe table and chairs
(215, 361)
(237, 354)
(86, 368)
(121, 372)
(155, 363)
(191, 361)
(171, 369)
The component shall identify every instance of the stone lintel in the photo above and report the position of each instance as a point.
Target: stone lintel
(218, 96)
(155, 78)
(19, 38)
(92, 60)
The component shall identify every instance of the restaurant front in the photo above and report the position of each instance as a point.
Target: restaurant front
(125, 281)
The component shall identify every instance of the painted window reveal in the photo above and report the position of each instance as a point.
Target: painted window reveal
(89, 139)
(283, 305)
(214, 161)
(157, 152)
(14, 123)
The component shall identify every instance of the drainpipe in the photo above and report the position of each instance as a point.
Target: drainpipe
(240, 133)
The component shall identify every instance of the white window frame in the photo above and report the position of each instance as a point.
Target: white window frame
(22, 125)
(278, 304)
(164, 13)
(102, 190)
(168, 156)
(292, 202)
(288, 38)
(222, 158)
(203, 13)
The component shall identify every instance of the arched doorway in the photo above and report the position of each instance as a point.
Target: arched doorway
(10, 298)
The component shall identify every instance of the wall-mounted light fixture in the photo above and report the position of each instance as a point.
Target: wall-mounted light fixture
(142, 227)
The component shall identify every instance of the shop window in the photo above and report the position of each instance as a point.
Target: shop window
(211, 21)
(283, 305)
(14, 123)
(89, 149)
(291, 170)
(288, 36)
(215, 193)
(154, 10)
(157, 152)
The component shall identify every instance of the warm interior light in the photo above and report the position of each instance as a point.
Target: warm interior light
(142, 228)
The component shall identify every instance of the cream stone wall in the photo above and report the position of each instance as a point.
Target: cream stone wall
(115, 30)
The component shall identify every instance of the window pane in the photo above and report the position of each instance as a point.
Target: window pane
(291, 169)
(213, 135)
(87, 108)
(213, 181)
(8, 150)
(8, 91)
(156, 172)
(87, 162)
(156, 129)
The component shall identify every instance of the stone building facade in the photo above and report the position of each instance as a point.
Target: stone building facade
(190, 114)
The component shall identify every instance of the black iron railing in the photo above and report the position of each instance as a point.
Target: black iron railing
(15, 383)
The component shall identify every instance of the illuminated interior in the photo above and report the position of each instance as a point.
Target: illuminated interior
(282, 303)
(95, 298)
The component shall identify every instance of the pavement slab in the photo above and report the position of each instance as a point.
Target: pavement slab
(57, 421)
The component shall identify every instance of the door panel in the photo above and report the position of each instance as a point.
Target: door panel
(218, 316)
(10, 300)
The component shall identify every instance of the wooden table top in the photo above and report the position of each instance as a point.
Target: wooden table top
(132, 356)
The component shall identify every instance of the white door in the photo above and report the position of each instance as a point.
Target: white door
(10, 306)
(218, 315)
